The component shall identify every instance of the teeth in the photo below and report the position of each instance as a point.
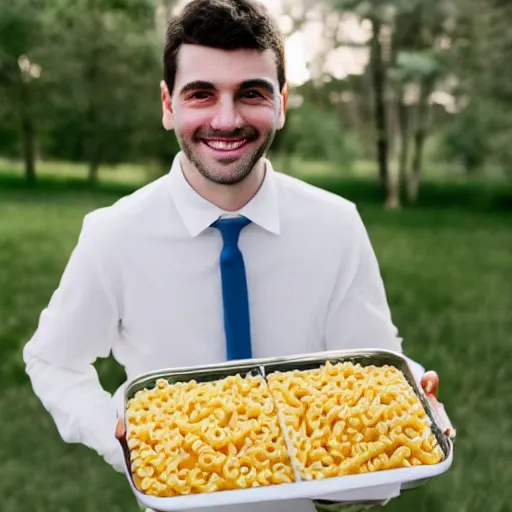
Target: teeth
(225, 145)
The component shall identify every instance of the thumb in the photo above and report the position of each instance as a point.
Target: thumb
(430, 382)
(120, 432)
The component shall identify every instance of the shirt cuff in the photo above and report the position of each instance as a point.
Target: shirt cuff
(416, 368)
(98, 432)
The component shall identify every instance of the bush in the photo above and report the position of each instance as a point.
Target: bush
(317, 134)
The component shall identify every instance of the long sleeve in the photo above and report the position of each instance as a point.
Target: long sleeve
(359, 314)
(78, 326)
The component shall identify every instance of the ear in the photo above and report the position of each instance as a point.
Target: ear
(167, 117)
(284, 103)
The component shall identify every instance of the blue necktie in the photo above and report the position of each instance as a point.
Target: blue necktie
(234, 290)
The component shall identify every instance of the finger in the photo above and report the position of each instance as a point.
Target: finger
(119, 428)
(430, 382)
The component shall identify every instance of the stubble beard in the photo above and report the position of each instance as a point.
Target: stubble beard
(240, 172)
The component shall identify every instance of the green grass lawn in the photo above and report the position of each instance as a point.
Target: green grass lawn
(447, 265)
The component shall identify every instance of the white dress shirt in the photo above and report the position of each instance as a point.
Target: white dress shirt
(144, 283)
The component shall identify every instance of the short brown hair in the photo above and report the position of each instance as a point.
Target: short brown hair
(225, 25)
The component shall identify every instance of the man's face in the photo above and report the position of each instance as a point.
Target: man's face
(225, 109)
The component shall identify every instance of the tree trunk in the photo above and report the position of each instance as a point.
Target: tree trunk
(419, 143)
(28, 132)
(94, 142)
(403, 124)
(394, 152)
(92, 121)
(94, 166)
(379, 90)
(94, 152)
(393, 194)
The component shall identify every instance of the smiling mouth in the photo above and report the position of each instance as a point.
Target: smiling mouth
(225, 145)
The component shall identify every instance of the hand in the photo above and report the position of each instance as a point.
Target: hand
(430, 384)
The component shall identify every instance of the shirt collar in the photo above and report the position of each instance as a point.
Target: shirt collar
(198, 214)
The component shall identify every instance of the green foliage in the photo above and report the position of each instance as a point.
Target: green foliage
(416, 64)
(112, 65)
(20, 33)
(480, 57)
(317, 133)
(9, 144)
(467, 140)
(99, 81)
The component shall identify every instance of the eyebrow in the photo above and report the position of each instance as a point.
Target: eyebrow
(257, 83)
(197, 84)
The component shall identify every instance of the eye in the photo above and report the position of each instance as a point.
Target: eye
(199, 95)
(252, 94)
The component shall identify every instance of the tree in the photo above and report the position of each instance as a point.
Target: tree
(480, 131)
(421, 38)
(20, 37)
(109, 48)
(403, 57)
(379, 14)
(491, 83)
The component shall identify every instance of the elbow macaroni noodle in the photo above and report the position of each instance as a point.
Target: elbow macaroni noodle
(340, 419)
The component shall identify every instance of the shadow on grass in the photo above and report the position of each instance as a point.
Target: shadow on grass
(467, 195)
(18, 188)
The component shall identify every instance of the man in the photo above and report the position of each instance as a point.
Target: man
(222, 258)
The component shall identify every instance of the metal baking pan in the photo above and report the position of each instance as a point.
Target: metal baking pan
(441, 427)
(328, 490)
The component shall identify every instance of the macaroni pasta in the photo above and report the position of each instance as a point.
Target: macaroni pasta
(345, 419)
(190, 438)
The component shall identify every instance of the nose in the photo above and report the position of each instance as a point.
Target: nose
(226, 117)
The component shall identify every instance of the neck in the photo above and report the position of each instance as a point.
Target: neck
(229, 198)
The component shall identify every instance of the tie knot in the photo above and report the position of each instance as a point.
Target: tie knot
(230, 228)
